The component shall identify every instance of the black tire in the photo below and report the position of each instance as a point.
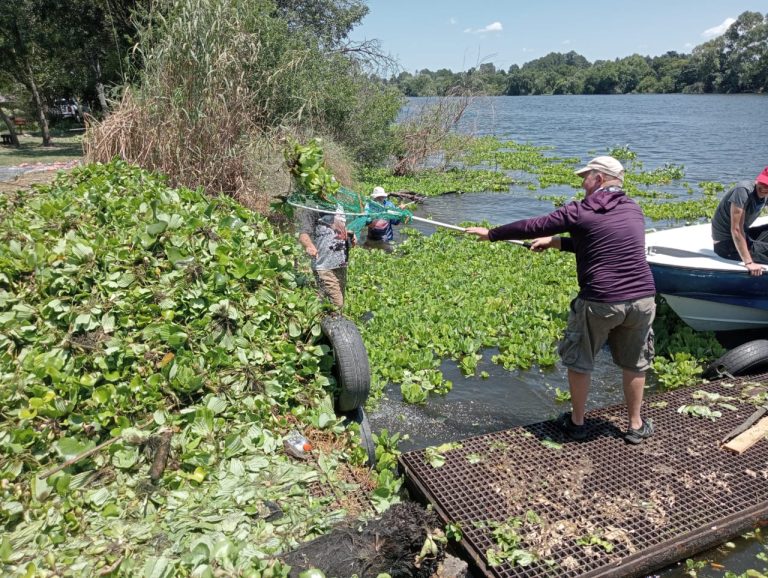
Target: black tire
(747, 359)
(350, 368)
(366, 437)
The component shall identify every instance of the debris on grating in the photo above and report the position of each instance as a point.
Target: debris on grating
(531, 503)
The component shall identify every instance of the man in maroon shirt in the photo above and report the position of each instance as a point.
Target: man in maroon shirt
(615, 303)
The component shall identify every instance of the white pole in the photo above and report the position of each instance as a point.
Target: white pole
(462, 229)
(438, 223)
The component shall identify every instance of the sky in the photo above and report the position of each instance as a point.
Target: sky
(461, 34)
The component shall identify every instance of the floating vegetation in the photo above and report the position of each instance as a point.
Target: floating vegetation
(488, 164)
(446, 296)
(436, 454)
(424, 307)
(433, 182)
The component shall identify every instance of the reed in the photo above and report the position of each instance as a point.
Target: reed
(222, 84)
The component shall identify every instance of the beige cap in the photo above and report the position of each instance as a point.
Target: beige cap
(606, 165)
(378, 192)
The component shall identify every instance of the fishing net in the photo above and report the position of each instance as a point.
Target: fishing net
(316, 189)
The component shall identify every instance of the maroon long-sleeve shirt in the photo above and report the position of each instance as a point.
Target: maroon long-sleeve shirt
(608, 236)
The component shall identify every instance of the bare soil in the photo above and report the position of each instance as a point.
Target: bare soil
(26, 180)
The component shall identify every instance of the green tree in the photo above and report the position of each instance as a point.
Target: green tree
(328, 21)
(25, 49)
(631, 71)
(671, 73)
(95, 39)
(229, 79)
(706, 67)
(519, 81)
(7, 86)
(602, 78)
(745, 51)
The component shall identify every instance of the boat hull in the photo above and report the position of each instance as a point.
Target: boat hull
(707, 292)
(702, 316)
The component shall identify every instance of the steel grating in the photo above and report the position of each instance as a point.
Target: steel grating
(602, 507)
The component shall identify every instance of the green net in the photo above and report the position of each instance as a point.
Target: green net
(357, 209)
(316, 189)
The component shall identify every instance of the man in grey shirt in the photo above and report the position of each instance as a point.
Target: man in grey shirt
(323, 235)
(732, 234)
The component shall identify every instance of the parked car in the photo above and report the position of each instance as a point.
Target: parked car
(66, 108)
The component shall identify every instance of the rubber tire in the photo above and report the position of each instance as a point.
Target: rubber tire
(366, 437)
(749, 358)
(351, 367)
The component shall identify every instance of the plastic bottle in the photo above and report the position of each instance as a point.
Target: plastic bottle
(297, 445)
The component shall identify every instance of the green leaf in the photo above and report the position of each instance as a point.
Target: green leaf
(83, 321)
(548, 443)
(111, 510)
(40, 488)
(174, 255)
(82, 251)
(5, 549)
(71, 447)
(216, 404)
(325, 419)
(157, 228)
(108, 322)
(159, 567)
(125, 458)
(103, 394)
(126, 280)
(99, 497)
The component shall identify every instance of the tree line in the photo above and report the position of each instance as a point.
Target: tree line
(734, 62)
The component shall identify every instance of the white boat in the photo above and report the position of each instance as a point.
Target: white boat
(708, 292)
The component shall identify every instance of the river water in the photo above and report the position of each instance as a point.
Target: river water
(720, 138)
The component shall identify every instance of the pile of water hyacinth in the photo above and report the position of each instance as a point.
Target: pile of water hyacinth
(157, 345)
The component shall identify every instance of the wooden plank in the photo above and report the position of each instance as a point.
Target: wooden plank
(747, 439)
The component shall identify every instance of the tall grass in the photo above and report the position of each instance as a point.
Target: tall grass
(223, 82)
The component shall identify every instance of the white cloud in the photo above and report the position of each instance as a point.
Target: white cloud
(492, 27)
(719, 29)
(452, 20)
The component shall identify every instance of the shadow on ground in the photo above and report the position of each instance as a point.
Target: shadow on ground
(33, 152)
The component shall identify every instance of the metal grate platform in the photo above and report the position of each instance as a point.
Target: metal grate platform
(602, 507)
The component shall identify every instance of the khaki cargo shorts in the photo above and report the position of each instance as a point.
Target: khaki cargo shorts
(624, 325)
(331, 285)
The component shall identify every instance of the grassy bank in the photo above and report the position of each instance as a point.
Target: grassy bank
(66, 146)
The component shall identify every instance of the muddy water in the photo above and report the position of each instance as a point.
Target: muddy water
(477, 405)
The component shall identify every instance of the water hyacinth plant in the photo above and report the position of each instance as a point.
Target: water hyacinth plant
(134, 315)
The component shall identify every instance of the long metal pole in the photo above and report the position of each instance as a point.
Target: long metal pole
(462, 229)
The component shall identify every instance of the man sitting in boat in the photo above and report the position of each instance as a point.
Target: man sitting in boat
(732, 234)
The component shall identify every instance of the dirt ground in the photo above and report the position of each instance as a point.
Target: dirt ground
(26, 180)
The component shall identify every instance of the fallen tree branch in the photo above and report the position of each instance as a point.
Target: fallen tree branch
(85, 454)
